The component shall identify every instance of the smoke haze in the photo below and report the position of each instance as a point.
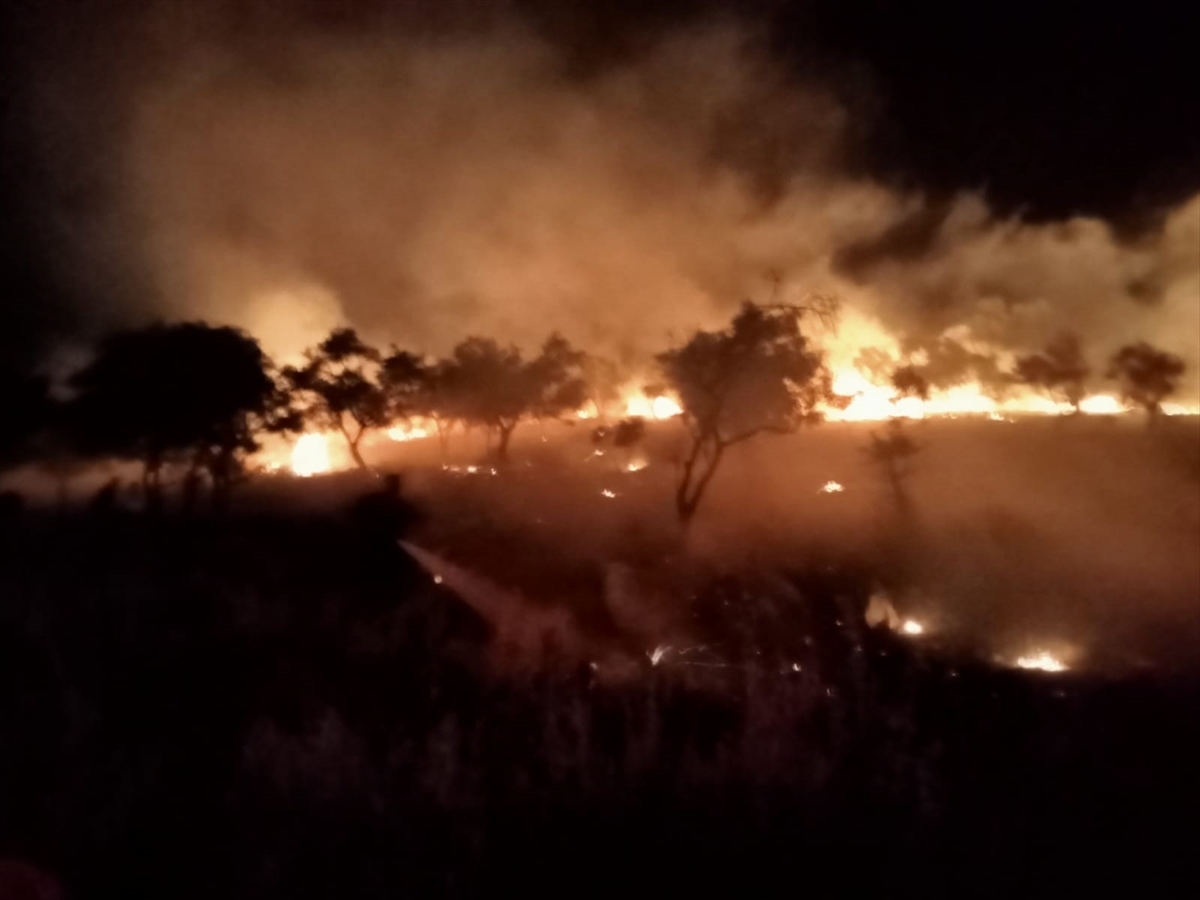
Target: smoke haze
(422, 183)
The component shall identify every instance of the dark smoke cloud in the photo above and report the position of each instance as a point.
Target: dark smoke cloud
(423, 181)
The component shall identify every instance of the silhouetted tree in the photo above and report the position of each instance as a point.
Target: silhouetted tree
(489, 386)
(184, 392)
(441, 399)
(892, 452)
(402, 378)
(1147, 375)
(910, 382)
(495, 387)
(949, 362)
(758, 375)
(557, 379)
(603, 382)
(338, 388)
(1059, 371)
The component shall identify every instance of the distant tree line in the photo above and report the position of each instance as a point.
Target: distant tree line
(196, 399)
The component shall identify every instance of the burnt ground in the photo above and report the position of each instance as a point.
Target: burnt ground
(268, 705)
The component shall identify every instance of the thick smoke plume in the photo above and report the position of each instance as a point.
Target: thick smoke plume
(423, 185)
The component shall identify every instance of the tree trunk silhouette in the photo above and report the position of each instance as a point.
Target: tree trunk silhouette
(353, 442)
(504, 433)
(896, 480)
(443, 433)
(698, 470)
(1153, 414)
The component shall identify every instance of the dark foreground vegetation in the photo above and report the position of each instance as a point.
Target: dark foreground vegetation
(263, 707)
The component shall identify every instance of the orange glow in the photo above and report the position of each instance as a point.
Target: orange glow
(870, 402)
(1041, 660)
(310, 455)
(1101, 405)
(410, 431)
(660, 407)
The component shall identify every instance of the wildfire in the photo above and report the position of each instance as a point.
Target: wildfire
(864, 401)
(409, 431)
(1101, 405)
(660, 407)
(831, 487)
(633, 403)
(1041, 660)
(310, 455)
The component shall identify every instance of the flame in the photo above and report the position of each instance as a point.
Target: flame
(660, 407)
(831, 487)
(409, 431)
(912, 626)
(632, 402)
(1042, 660)
(310, 455)
(1180, 409)
(607, 493)
(865, 401)
(636, 465)
(869, 396)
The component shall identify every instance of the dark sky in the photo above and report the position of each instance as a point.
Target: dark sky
(1051, 109)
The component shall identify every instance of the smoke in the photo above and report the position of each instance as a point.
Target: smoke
(424, 184)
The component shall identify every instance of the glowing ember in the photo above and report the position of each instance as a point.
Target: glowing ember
(912, 626)
(636, 465)
(607, 493)
(310, 456)
(1041, 660)
(831, 487)
(659, 652)
(587, 411)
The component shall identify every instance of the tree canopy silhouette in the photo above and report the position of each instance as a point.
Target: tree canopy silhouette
(403, 379)
(1146, 375)
(949, 362)
(758, 375)
(494, 386)
(909, 382)
(892, 453)
(1058, 371)
(182, 392)
(338, 388)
